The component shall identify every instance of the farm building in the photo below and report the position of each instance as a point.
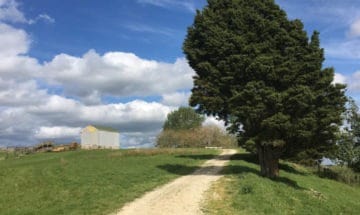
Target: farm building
(94, 137)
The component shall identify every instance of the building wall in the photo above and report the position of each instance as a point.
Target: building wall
(89, 139)
(93, 139)
(109, 140)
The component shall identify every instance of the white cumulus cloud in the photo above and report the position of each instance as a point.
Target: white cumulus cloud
(57, 132)
(16, 93)
(339, 78)
(116, 74)
(30, 111)
(9, 12)
(213, 121)
(12, 41)
(354, 84)
(351, 80)
(354, 29)
(176, 99)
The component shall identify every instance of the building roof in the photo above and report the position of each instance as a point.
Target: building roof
(104, 128)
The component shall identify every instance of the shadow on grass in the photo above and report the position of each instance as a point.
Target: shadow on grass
(288, 182)
(228, 170)
(205, 157)
(240, 170)
(291, 169)
(250, 158)
(178, 169)
(196, 157)
(217, 170)
(191, 170)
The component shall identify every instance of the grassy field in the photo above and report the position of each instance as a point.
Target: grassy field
(2, 155)
(297, 191)
(88, 182)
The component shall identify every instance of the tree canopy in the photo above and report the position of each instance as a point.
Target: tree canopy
(259, 71)
(204, 136)
(349, 140)
(182, 119)
(352, 117)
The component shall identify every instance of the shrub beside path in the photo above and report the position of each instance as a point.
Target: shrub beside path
(182, 196)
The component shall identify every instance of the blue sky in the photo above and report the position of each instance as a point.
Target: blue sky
(66, 64)
(151, 29)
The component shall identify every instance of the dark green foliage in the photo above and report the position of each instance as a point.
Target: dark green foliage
(356, 167)
(260, 72)
(183, 119)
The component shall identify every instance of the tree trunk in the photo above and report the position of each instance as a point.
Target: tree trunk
(269, 161)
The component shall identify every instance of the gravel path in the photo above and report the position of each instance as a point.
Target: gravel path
(183, 195)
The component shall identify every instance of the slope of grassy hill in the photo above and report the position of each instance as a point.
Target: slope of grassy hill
(88, 182)
(297, 191)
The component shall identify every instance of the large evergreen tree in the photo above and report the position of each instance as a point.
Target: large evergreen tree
(260, 73)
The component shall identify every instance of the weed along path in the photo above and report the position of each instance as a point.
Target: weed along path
(182, 196)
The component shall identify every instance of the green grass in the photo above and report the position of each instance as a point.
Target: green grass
(88, 182)
(297, 191)
(2, 155)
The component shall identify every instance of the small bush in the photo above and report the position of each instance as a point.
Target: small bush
(46, 146)
(246, 189)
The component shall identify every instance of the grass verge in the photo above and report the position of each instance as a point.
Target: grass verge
(297, 191)
(88, 182)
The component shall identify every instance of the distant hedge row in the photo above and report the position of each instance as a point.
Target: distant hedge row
(206, 136)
